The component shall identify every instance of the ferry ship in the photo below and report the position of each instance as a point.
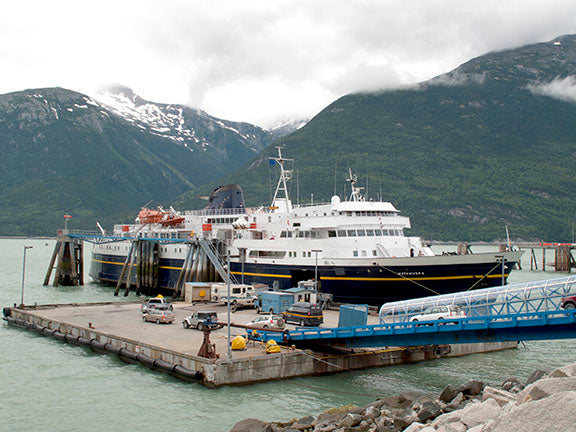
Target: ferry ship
(354, 249)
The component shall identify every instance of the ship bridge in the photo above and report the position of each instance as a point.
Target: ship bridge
(518, 312)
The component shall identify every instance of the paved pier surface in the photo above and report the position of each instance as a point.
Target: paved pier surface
(118, 328)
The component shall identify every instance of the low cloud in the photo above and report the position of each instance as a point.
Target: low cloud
(560, 88)
(458, 79)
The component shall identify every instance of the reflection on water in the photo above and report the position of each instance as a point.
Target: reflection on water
(49, 385)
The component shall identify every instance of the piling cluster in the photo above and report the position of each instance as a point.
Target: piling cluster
(545, 401)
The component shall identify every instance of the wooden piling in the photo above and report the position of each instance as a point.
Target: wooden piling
(562, 263)
(68, 255)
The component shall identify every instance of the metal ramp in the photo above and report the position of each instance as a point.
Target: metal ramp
(529, 311)
(214, 257)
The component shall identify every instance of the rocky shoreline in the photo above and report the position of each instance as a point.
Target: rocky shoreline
(544, 402)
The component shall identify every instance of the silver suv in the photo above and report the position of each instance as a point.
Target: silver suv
(160, 314)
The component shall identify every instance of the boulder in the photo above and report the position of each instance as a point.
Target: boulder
(472, 387)
(325, 419)
(456, 402)
(303, 423)
(428, 410)
(251, 425)
(351, 420)
(415, 427)
(535, 376)
(372, 412)
(473, 414)
(564, 371)
(448, 393)
(501, 396)
(512, 383)
(457, 426)
(554, 413)
(545, 387)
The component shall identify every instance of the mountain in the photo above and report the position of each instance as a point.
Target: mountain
(65, 152)
(490, 144)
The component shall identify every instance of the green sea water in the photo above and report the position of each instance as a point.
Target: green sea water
(47, 385)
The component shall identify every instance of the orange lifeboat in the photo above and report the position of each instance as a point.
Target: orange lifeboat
(172, 220)
(148, 216)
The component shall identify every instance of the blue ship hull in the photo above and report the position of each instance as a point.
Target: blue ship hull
(348, 284)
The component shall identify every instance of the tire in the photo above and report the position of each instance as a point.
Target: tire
(185, 324)
(302, 323)
(157, 321)
(265, 326)
(259, 310)
(441, 321)
(144, 318)
(569, 306)
(271, 311)
(200, 327)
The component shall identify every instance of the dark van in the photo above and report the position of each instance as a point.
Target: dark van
(304, 314)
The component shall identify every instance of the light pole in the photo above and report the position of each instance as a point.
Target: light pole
(316, 268)
(228, 303)
(24, 273)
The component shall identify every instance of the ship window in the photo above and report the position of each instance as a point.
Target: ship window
(351, 233)
(269, 219)
(314, 234)
(267, 254)
(361, 233)
(373, 252)
(331, 233)
(378, 232)
(254, 219)
(296, 224)
(349, 213)
(307, 234)
(363, 253)
(341, 233)
(309, 254)
(300, 234)
(283, 234)
(289, 234)
(355, 253)
(303, 254)
(370, 233)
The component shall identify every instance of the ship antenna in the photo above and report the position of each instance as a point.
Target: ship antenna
(355, 194)
(285, 176)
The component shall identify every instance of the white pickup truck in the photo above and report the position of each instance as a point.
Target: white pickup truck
(154, 302)
(240, 295)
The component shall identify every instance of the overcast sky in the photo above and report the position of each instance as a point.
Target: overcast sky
(259, 61)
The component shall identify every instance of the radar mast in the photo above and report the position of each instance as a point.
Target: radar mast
(281, 203)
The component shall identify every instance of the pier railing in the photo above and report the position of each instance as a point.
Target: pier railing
(536, 296)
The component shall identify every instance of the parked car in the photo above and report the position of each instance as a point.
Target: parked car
(159, 314)
(304, 314)
(568, 302)
(273, 322)
(155, 302)
(439, 313)
(202, 320)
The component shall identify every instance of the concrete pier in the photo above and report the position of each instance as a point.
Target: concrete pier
(117, 328)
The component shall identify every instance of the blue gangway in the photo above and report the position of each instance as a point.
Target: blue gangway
(528, 311)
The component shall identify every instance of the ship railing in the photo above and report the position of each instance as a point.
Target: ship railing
(214, 212)
(84, 232)
(311, 204)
